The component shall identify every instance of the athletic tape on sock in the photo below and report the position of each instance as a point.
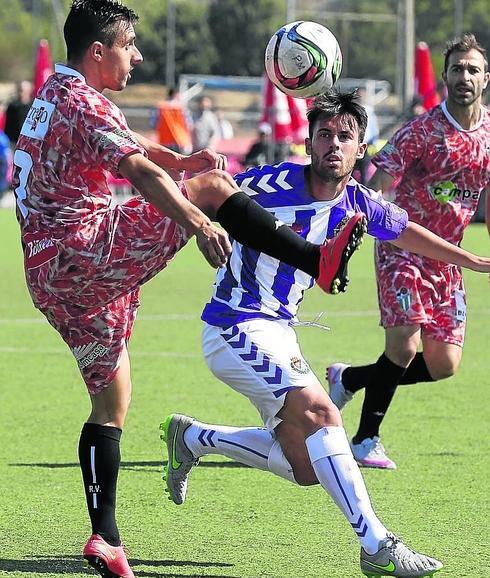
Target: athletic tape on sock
(327, 441)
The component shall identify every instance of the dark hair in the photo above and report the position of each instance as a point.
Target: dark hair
(336, 103)
(94, 20)
(465, 43)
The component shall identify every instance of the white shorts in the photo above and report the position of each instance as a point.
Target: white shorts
(260, 359)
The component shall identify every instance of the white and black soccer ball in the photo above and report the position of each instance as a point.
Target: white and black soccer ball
(303, 59)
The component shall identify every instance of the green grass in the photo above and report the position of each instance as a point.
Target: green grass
(237, 522)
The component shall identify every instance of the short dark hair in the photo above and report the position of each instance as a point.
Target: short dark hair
(464, 43)
(94, 20)
(336, 103)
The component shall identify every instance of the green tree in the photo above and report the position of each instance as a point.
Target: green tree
(240, 31)
(194, 48)
(17, 41)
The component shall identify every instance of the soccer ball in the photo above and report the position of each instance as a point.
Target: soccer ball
(303, 59)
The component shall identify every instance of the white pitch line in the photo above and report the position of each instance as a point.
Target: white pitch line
(305, 316)
(134, 353)
(185, 317)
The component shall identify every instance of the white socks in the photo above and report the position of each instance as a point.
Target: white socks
(339, 475)
(252, 446)
(330, 455)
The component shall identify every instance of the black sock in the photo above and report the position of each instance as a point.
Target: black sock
(385, 378)
(416, 372)
(355, 378)
(250, 224)
(99, 455)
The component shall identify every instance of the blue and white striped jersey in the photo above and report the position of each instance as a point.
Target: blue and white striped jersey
(254, 285)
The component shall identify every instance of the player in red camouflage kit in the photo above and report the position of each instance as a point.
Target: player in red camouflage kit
(436, 167)
(85, 261)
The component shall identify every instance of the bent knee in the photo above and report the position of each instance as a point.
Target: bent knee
(324, 414)
(219, 181)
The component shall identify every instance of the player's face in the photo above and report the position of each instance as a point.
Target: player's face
(120, 59)
(334, 147)
(465, 77)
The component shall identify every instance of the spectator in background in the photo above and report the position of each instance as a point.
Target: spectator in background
(4, 163)
(17, 110)
(260, 151)
(370, 138)
(417, 107)
(225, 127)
(205, 125)
(171, 124)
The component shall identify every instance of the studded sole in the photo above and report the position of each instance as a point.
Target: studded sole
(341, 279)
(100, 566)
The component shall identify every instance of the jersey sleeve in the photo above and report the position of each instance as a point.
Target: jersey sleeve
(101, 126)
(386, 221)
(404, 149)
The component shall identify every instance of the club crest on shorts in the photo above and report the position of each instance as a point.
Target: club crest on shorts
(404, 298)
(299, 365)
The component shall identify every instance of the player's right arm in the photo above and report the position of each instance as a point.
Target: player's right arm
(418, 239)
(159, 189)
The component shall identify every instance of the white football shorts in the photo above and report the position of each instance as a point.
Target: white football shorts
(260, 359)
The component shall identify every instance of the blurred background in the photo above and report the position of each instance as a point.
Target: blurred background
(205, 58)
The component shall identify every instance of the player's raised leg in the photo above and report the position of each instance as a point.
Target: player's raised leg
(217, 194)
(336, 253)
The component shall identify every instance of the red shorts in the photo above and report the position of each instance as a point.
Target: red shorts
(413, 290)
(87, 283)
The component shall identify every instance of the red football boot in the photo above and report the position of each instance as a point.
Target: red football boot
(335, 254)
(109, 561)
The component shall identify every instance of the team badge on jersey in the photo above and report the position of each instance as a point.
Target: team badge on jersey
(404, 298)
(299, 365)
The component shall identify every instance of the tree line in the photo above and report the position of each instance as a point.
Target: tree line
(229, 36)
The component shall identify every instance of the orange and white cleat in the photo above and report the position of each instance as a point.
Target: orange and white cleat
(109, 561)
(335, 254)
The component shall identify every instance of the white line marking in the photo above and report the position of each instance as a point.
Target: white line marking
(195, 316)
(133, 353)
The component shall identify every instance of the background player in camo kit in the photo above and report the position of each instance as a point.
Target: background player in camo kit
(436, 167)
(86, 261)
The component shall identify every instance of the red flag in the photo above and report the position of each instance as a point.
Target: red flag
(43, 67)
(425, 79)
(286, 115)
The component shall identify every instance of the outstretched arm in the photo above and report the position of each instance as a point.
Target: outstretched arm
(197, 162)
(418, 239)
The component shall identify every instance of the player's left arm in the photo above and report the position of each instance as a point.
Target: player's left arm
(203, 160)
(418, 239)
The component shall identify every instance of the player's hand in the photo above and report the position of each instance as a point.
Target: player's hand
(482, 265)
(213, 244)
(204, 160)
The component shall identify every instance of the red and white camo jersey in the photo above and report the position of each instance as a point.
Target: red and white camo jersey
(440, 170)
(72, 135)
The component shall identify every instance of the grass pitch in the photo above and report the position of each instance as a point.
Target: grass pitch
(236, 522)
